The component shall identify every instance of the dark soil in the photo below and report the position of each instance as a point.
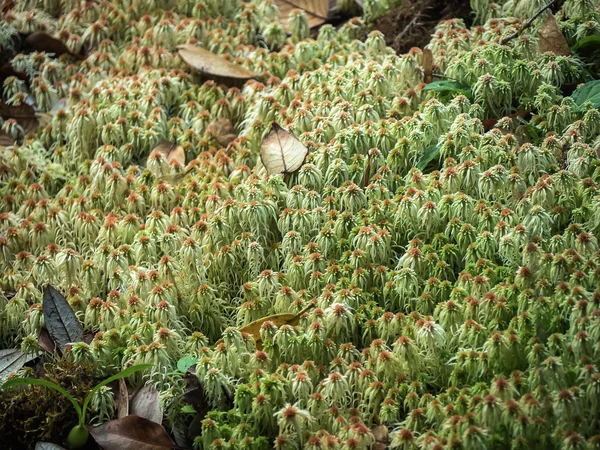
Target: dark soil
(412, 23)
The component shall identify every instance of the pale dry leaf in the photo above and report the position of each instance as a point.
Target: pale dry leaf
(171, 151)
(317, 11)
(122, 400)
(47, 446)
(222, 131)
(281, 151)
(551, 38)
(146, 403)
(427, 66)
(213, 65)
(13, 359)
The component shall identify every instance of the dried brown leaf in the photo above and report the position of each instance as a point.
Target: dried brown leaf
(278, 320)
(24, 114)
(212, 65)
(317, 11)
(222, 131)
(381, 434)
(281, 151)
(145, 403)
(132, 433)
(427, 66)
(46, 342)
(42, 42)
(5, 139)
(122, 400)
(171, 151)
(18, 113)
(551, 39)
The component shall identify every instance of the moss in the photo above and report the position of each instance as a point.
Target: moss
(34, 413)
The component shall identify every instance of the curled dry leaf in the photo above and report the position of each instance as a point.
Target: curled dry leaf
(45, 341)
(146, 404)
(212, 65)
(427, 66)
(122, 400)
(60, 319)
(278, 320)
(132, 433)
(281, 151)
(317, 11)
(171, 151)
(551, 39)
(222, 131)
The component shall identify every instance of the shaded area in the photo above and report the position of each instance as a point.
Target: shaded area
(412, 23)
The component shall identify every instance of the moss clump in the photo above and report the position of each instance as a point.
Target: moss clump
(35, 413)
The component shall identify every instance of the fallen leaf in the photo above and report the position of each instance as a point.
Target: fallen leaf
(222, 131)
(11, 360)
(488, 124)
(146, 404)
(60, 319)
(47, 446)
(5, 139)
(281, 151)
(18, 113)
(41, 41)
(427, 65)
(380, 433)
(6, 6)
(551, 39)
(24, 114)
(278, 320)
(122, 400)
(132, 433)
(212, 65)
(317, 11)
(171, 151)
(45, 341)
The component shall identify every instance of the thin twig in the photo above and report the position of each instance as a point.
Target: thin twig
(528, 23)
(407, 27)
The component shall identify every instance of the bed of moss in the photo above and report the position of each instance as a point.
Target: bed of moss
(456, 302)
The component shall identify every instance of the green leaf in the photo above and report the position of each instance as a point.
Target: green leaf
(189, 409)
(430, 152)
(184, 364)
(589, 92)
(448, 86)
(49, 384)
(123, 374)
(588, 41)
